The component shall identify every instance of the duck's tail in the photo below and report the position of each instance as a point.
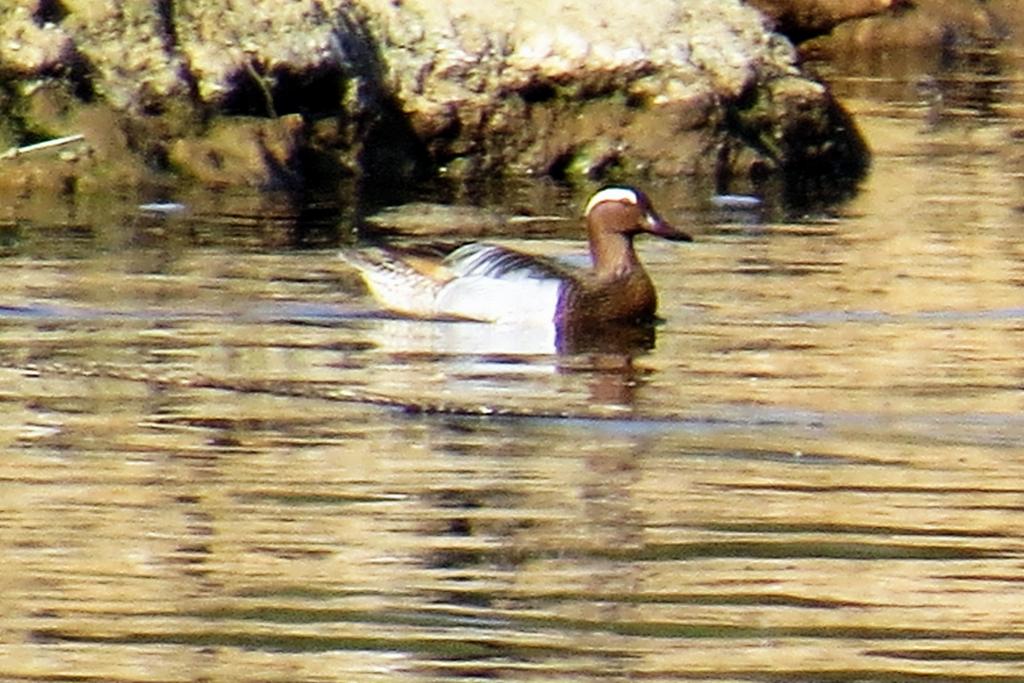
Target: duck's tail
(396, 283)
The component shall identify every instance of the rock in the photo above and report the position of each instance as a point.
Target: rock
(803, 19)
(582, 89)
(128, 46)
(29, 47)
(941, 24)
(51, 174)
(112, 152)
(257, 60)
(244, 151)
(469, 88)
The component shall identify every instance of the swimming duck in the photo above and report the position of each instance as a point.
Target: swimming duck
(491, 283)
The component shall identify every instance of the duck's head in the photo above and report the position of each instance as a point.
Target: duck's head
(627, 211)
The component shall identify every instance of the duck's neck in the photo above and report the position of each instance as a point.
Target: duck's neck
(613, 256)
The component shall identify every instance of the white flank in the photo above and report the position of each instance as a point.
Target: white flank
(495, 300)
(520, 295)
(612, 194)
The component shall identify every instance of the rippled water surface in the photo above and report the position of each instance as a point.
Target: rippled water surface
(218, 462)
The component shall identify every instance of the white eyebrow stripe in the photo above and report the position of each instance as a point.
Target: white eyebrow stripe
(612, 194)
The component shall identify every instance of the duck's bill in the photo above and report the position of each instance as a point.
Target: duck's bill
(656, 225)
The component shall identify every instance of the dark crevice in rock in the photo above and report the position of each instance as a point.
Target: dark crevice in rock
(313, 93)
(77, 71)
(80, 77)
(386, 144)
(50, 11)
(750, 121)
(536, 93)
(560, 165)
(165, 10)
(390, 149)
(251, 93)
(634, 101)
(607, 166)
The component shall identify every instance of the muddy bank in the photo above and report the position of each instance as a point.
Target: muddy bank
(283, 94)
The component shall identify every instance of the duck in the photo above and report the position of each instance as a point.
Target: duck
(487, 282)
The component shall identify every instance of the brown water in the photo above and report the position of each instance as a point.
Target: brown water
(210, 469)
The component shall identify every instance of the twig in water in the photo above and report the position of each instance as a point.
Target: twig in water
(261, 83)
(46, 144)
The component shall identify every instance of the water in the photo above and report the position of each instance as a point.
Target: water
(219, 463)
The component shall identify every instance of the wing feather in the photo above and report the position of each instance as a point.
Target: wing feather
(493, 261)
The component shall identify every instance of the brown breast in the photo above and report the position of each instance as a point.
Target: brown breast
(630, 298)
